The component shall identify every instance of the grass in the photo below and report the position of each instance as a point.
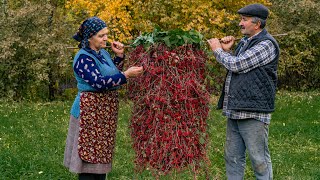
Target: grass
(32, 140)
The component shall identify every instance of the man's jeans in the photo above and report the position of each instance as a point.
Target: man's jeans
(251, 135)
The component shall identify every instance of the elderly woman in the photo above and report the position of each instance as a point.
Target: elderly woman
(92, 127)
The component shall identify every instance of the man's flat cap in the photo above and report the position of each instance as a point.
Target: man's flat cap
(257, 10)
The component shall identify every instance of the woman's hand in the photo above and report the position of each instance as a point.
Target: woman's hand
(133, 71)
(118, 48)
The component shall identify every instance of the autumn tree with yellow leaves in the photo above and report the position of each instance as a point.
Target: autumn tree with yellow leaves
(116, 14)
(128, 18)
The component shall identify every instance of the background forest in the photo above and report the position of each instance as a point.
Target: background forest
(34, 36)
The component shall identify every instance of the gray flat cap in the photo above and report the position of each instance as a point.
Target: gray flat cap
(257, 10)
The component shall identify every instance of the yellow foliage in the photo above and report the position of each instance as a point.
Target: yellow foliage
(114, 13)
(127, 18)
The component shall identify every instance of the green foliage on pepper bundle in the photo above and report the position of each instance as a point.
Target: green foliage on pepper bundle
(172, 38)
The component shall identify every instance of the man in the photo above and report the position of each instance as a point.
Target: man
(249, 92)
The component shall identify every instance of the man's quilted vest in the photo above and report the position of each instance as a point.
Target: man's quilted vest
(255, 90)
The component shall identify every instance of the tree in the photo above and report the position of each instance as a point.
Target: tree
(299, 66)
(115, 13)
(32, 49)
(127, 18)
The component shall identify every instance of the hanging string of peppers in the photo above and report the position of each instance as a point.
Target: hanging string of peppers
(171, 102)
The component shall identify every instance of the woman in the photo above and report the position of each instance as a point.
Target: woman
(92, 127)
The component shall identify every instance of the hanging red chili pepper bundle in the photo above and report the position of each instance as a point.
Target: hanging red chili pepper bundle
(171, 104)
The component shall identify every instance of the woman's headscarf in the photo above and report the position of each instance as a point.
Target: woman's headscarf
(87, 29)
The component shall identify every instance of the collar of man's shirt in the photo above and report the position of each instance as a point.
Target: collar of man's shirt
(246, 39)
(249, 38)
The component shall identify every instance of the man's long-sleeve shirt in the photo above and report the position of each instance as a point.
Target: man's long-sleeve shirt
(258, 55)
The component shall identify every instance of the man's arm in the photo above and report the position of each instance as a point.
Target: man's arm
(258, 55)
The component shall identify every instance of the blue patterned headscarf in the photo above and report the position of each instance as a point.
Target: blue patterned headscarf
(87, 29)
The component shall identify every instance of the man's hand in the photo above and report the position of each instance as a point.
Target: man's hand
(227, 42)
(214, 43)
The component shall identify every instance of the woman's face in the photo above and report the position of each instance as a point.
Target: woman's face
(99, 40)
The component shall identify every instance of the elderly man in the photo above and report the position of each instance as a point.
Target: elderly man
(249, 92)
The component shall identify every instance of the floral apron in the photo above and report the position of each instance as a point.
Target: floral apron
(98, 124)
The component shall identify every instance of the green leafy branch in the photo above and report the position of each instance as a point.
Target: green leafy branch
(172, 38)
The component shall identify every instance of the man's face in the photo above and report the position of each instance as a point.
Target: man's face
(248, 28)
(98, 41)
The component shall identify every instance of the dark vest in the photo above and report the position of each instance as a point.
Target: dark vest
(255, 90)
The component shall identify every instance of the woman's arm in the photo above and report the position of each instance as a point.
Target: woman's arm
(87, 69)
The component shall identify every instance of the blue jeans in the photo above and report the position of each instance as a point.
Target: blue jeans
(251, 135)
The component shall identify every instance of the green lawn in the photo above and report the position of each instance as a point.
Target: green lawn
(32, 139)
